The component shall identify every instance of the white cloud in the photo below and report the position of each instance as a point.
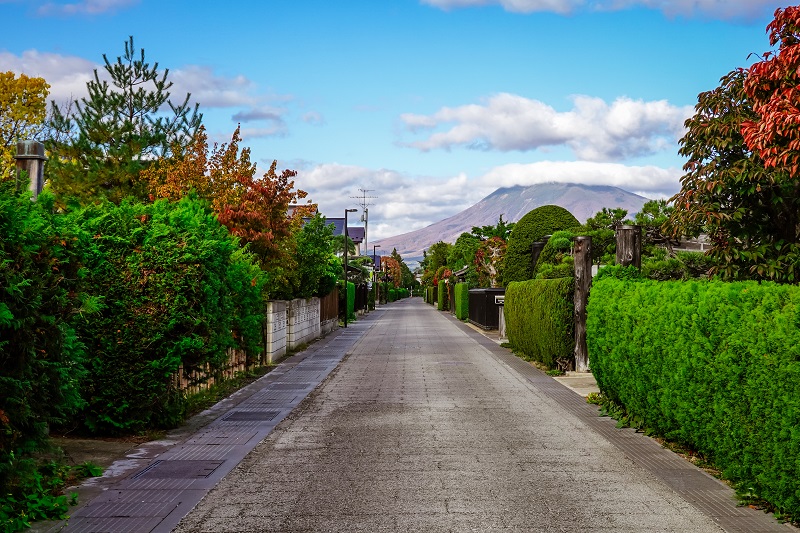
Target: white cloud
(86, 7)
(67, 75)
(649, 181)
(593, 129)
(406, 203)
(715, 9)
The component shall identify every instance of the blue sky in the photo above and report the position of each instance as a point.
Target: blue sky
(429, 104)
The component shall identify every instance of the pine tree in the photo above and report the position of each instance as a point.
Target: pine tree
(106, 139)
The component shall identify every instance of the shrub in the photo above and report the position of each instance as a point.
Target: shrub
(712, 365)
(532, 227)
(442, 300)
(462, 301)
(351, 300)
(539, 319)
(176, 290)
(41, 357)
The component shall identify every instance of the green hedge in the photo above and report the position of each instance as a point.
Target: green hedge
(392, 294)
(544, 220)
(41, 358)
(442, 300)
(176, 290)
(462, 301)
(351, 300)
(539, 319)
(713, 365)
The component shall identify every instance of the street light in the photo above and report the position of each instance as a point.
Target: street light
(375, 272)
(345, 264)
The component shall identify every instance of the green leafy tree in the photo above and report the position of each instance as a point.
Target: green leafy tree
(602, 229)
(434, 258)
(107, 138)
(652, 218)
(463, 251)
(502, 230)
(407, 279)
(316, 272)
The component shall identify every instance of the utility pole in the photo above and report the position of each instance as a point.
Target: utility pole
(363, 201)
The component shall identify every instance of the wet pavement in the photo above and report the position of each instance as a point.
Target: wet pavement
(419, 423)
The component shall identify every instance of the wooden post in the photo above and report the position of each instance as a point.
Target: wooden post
(629, 246)
(583, 283)
(536, 251)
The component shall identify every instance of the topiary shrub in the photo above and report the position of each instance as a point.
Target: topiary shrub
(544, 220)
(442, 300)
(539, 320)
(462, 301)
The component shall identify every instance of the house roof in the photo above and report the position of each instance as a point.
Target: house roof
(356, 234)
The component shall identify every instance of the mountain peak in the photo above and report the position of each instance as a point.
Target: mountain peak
(513, 203)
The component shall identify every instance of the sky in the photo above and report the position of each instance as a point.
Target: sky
(422, 106)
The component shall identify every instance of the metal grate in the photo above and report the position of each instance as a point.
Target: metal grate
(246, 416)
(178, 470)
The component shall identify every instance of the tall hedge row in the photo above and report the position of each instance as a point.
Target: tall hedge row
(41, 358)
(713, 365)
(539, 319)
(442, 300)
(175, 290)
(462, 301)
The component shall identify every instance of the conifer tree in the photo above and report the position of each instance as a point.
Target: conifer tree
(106, 139)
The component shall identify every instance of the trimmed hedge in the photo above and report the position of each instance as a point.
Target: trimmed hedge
(442, 300)
(462, 301)
(544, 220)
(540, 320)
(351, 300)
(713, 365)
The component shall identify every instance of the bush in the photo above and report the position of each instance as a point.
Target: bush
(442, 300)
(462, 301)
(540, 320)
(714, 366)
(176, 290)
(532, 227)
(41, 357)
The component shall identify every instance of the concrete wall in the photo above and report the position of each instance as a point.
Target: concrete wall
(275, 331)
(303, 322)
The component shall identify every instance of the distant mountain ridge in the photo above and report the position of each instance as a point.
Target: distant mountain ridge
(513, 203)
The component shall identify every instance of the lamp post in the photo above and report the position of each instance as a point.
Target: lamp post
(345, 264)
(375, 272)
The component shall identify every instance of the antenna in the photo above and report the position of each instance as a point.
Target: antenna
(363, 201)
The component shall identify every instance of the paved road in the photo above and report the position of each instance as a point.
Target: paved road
(426, 426)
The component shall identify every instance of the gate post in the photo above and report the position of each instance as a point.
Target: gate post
(583, 283)
(629, 246)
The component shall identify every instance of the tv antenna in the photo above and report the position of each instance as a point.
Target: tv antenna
(364, 202)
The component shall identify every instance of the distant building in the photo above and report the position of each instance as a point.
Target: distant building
(356, 234)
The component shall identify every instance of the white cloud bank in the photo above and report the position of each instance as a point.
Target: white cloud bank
(406, 203)
(715, 9)
(593, 129)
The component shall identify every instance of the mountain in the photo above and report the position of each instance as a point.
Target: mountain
(513, 203)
